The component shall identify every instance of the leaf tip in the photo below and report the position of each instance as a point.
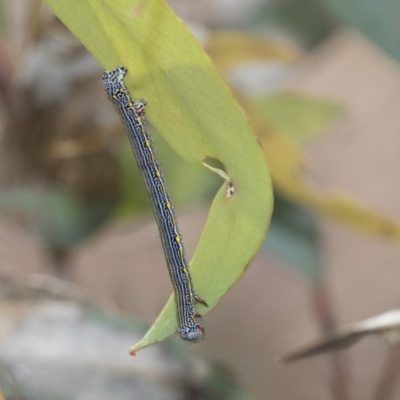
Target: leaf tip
(132, 351)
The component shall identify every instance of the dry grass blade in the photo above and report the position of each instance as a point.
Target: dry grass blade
(386, 325)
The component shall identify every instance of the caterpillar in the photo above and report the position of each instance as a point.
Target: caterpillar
(132, 114)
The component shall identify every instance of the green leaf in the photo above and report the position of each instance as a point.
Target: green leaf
(187, 183)
(134, 199)
(300, 117)
(196, 114)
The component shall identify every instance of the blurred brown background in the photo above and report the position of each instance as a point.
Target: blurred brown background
(270, 310)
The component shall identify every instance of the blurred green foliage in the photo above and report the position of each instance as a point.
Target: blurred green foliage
(293, 236)
(62, 219)
(3, 19)
(300, 117)
(308, 20)
(378, 20)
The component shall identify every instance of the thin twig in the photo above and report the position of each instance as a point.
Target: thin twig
(389, 378)
(324, 312)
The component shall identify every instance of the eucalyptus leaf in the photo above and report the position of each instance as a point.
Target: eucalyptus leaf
(196, 114)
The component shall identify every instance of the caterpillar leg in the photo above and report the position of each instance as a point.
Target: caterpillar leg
(198, 299)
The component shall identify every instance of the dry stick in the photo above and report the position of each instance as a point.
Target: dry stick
(323, 309)
(389, 378)
(59, 263)
(340, 382)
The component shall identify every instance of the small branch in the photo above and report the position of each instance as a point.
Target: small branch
(324, 312)
(389, 378)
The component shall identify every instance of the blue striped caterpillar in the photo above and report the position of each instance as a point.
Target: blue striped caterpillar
(132, 114)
